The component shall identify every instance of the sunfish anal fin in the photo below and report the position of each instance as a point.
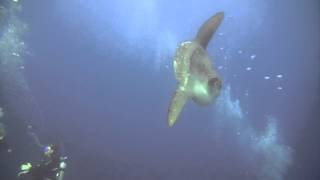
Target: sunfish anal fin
(177, 103)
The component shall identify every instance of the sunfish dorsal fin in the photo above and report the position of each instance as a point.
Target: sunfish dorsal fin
(176, 105)
(208, 29)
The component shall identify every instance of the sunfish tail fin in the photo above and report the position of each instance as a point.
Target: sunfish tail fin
(177, 103)
(208, 29)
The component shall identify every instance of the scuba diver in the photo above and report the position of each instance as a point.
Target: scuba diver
(52, 167)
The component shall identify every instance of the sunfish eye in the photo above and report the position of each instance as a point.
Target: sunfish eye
(214, 83)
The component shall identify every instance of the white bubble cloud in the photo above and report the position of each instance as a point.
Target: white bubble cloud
(273, 158)
(226, 105)
(276, 157)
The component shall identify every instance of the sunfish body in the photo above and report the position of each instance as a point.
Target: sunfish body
(194, 72)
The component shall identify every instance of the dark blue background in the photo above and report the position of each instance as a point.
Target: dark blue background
(103, 99)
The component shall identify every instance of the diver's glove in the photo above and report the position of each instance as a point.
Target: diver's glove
(25, 169)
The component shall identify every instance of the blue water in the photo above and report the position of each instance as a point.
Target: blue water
(98, 77)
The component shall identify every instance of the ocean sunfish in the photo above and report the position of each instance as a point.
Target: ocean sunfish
(197, 79)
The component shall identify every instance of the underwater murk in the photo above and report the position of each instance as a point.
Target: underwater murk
(159, 90)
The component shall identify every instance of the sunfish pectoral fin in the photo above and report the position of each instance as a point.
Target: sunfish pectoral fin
(177, 103)
(208, 29)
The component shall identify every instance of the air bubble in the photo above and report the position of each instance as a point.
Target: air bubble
(246, 93)
(16, 54)
(253, 56)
